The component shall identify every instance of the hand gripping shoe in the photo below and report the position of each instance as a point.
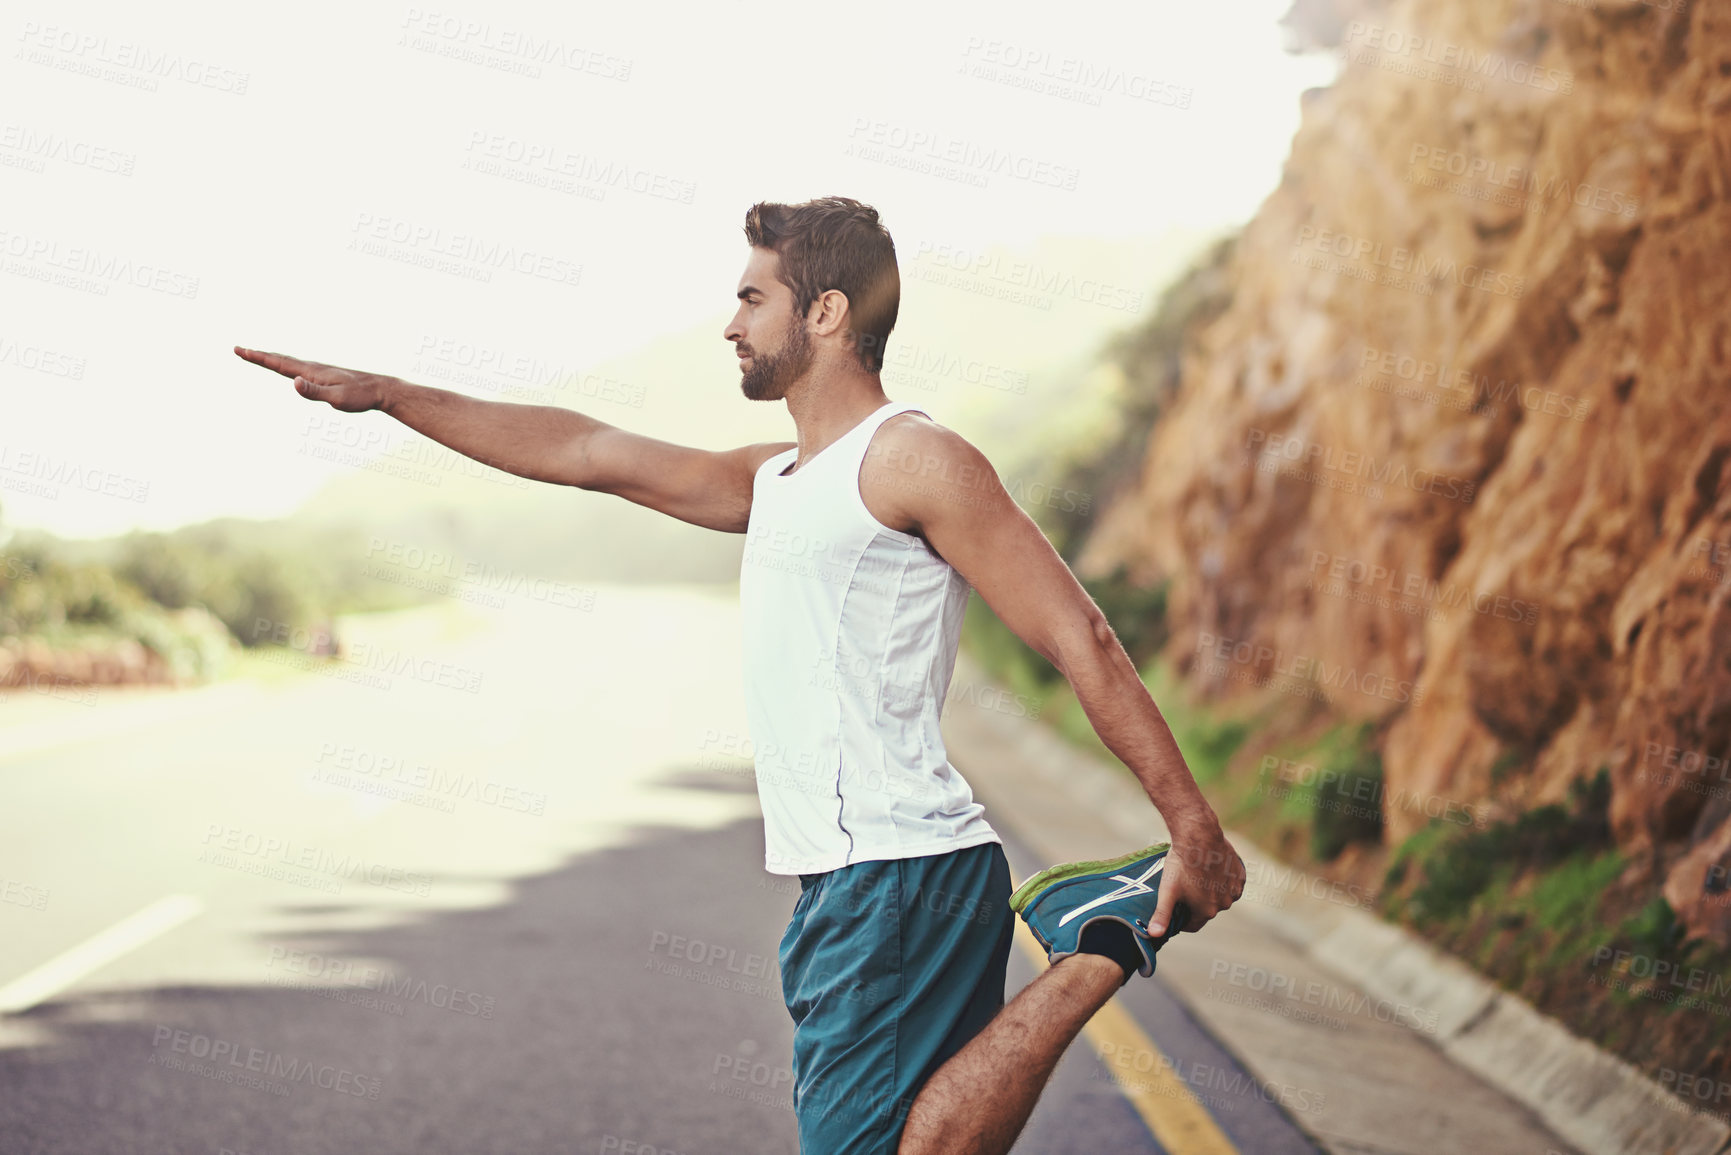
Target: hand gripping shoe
(1062, 901)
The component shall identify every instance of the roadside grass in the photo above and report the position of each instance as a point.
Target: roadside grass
(1542, 904)
(1545, 905)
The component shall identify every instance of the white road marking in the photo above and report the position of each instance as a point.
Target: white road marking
(98, 951)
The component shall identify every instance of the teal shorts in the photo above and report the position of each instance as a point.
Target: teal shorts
(888, 968)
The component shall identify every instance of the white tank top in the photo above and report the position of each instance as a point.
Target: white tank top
(850, 634)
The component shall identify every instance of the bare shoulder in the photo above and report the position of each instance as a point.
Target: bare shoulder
(711, 488)
(916, 470)
(753, 456)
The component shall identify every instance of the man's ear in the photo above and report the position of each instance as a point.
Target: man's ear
(832, 309)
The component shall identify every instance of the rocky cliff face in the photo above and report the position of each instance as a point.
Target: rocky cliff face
(1456, 454)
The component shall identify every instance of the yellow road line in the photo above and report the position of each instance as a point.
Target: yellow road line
(1179, 1121)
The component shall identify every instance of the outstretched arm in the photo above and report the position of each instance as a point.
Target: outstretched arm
(930, 478)
(547, 443)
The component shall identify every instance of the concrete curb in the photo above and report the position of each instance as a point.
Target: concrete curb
(1594, 1100)
(1597, 1101)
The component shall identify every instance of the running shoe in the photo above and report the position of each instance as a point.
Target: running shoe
(1062, 901)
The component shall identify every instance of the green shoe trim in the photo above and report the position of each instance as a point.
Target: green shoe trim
(1052, 874)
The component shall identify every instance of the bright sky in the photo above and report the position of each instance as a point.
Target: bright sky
(354, 182)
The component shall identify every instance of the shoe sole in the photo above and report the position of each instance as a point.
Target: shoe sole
(1066, 870)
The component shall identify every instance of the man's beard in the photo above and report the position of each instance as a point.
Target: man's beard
(768, 376)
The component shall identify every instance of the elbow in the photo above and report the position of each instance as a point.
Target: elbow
(1084, 647)
(1104, 635)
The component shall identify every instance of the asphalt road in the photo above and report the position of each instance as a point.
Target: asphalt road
(498, 891)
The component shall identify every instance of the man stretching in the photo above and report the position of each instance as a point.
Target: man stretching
(863, 540)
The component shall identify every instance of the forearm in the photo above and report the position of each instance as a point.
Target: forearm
(1125, 717)
(540, 442)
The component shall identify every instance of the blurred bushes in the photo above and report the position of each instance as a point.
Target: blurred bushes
(49, 601)
(1440, 872)
(240, 586)
(191, 596)
(1330, 788)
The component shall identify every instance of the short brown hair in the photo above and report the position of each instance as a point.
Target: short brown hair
(835, 243)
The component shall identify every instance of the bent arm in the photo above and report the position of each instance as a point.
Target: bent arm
(963, 511)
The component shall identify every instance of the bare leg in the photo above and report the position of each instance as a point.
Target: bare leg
(978, 1101)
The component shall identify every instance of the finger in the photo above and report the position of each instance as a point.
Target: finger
(1163, 906)
(1183, 920)
(287, 366)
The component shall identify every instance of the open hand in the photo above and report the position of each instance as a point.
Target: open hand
(345, 389)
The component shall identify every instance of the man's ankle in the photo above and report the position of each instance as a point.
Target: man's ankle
(1113, 940)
